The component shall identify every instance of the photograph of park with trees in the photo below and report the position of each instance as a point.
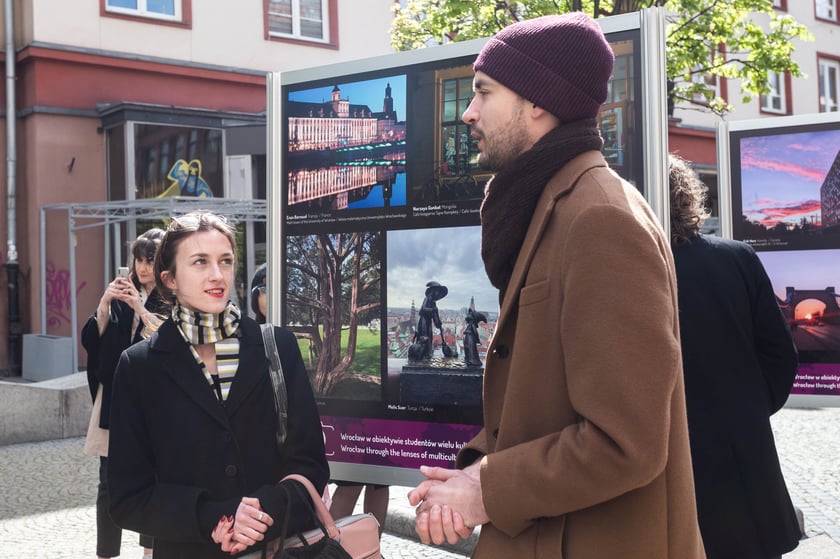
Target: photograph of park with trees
(333, 303)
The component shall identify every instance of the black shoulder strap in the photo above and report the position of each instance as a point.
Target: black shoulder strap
(275, 371)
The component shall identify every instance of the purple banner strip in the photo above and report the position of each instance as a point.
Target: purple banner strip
(817, 378)
(402, 444)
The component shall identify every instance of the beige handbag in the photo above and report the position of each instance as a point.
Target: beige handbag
(96, 441)
(357, 535)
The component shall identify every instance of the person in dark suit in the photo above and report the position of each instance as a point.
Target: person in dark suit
(193, 456)
(130, 308)
(740, 362)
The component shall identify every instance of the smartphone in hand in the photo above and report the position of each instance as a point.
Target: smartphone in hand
(122, 272)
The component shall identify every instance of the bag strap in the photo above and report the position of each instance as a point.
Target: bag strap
(275, 372)
(320, 508)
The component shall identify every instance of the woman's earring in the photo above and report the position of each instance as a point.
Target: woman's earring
(173, 293)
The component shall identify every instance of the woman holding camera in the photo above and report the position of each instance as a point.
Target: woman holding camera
(127, 312)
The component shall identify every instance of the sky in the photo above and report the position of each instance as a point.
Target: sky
(781, 175)
(369, 92)
(804, 270)
(450, 256)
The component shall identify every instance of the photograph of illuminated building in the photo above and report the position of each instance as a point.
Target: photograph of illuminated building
(346, 145)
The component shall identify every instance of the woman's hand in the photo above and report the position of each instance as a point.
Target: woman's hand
(223, 533)
(119, 289)
(128, 294)
(250, 524)
(112, 291)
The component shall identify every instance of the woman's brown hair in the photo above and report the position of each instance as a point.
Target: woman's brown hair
(688, 200)
(181, 227)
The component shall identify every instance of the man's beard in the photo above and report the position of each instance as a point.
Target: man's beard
(505, 146)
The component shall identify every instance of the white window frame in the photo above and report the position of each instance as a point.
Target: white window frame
(779, 4)
(826, 9)
(827, 67)
(296, 19)
(778, 93)
(143, 11)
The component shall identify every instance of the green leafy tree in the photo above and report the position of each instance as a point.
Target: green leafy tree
(723, 38)
(332, 285)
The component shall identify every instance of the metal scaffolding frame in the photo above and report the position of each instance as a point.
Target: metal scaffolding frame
(111, 215)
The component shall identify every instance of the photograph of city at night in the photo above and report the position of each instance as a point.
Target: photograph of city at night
(346, 146)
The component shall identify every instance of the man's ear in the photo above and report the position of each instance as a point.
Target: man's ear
(543, 119)
(537, 111)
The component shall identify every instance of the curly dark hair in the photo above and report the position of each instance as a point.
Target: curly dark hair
(688, 200)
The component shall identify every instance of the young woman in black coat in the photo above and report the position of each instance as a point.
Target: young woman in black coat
(193, 457)
(127, 312)
(740, 363)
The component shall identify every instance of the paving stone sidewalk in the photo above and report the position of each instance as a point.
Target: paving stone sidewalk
(48, 490)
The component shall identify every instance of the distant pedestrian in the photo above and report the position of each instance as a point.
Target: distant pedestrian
(375, 500)
(129, 310)
(740, 363)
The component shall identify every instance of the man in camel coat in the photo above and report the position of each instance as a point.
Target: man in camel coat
(584, 452)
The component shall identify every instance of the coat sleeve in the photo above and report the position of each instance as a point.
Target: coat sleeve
(90, 341)
(104, 352)
(773, 342)
(472, 451)
(115, 338)
(610, 322)
(303, 452)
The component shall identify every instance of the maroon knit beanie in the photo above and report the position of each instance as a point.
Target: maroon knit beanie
(561, 63)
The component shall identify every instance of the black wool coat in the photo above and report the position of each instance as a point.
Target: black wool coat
(103, 352)
(740, 363)
(180, 459)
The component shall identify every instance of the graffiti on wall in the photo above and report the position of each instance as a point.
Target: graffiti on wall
(187, 180)
(58, 295)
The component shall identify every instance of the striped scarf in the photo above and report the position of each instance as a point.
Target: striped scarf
(222, 330)
(204, 328)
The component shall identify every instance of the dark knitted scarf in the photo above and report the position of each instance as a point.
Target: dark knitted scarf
(511, 196)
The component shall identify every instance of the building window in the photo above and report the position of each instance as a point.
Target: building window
(829, 84)
(776, 100)
(307, 20)
(827, 9)
(169, 10)
(459, 151)
(780, 5)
